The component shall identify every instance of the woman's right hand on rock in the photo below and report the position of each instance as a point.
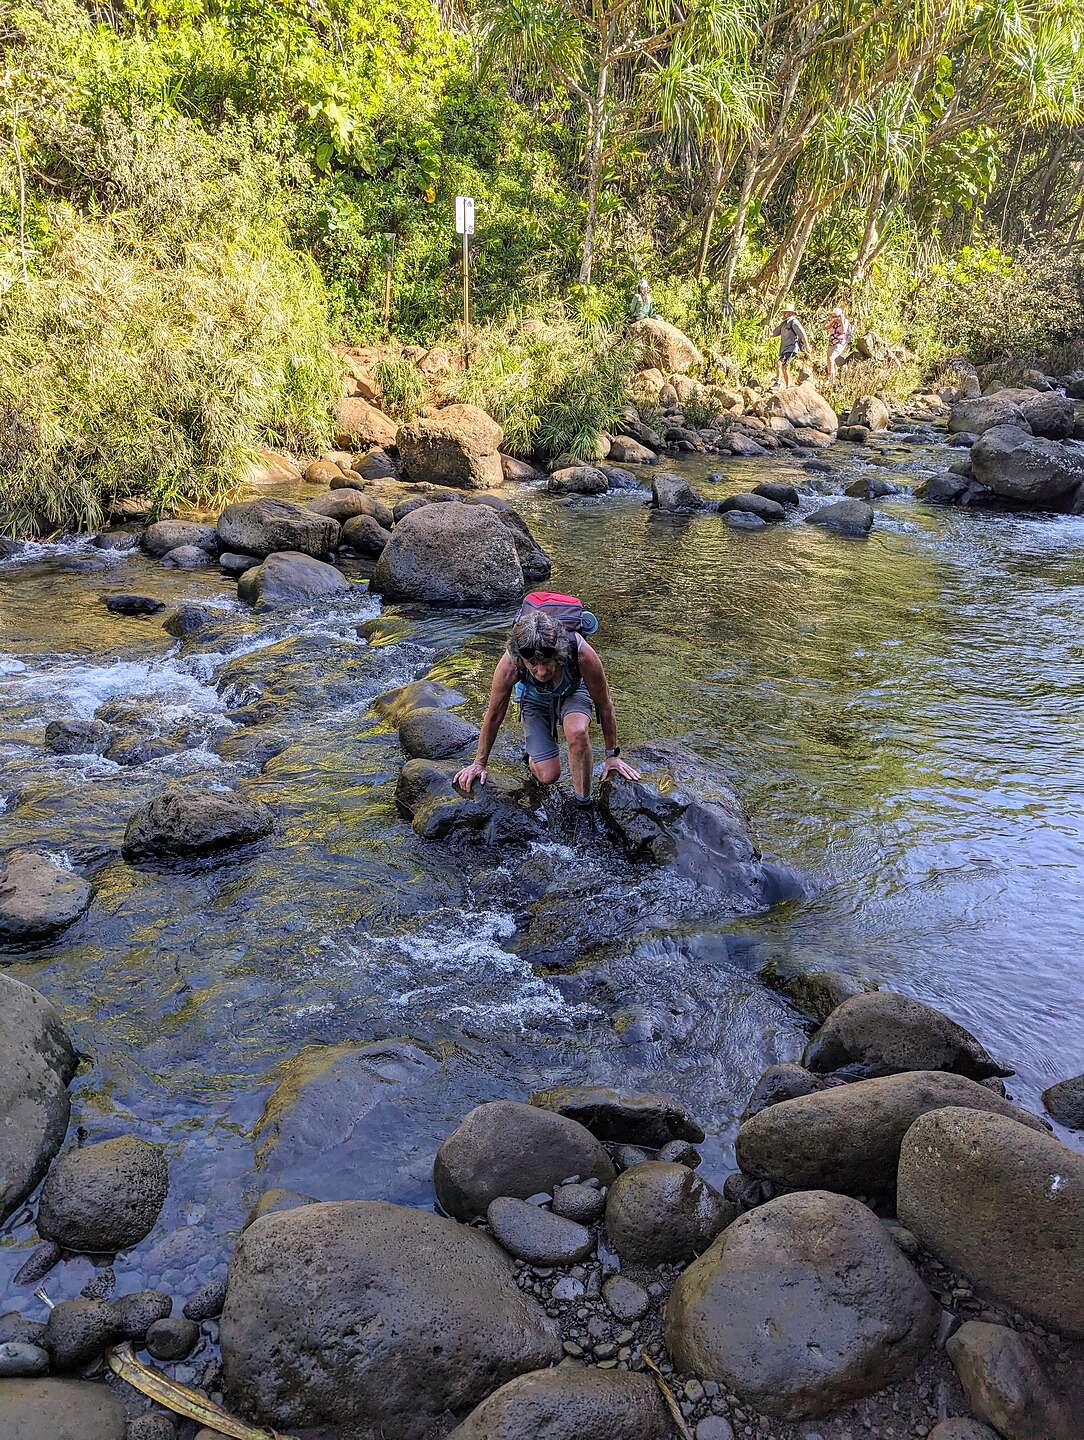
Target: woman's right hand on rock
(466, 777)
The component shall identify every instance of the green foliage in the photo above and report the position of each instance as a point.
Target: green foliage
(403, 387)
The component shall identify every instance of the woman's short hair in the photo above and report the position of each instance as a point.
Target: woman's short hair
(539, 631)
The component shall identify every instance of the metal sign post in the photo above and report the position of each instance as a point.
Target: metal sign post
(389, 261)
(464, 225)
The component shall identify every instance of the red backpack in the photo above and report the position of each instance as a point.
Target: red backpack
(567, 610)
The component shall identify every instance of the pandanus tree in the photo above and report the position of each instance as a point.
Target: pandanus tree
(634, 68)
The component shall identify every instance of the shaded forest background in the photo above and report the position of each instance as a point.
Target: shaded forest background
(196, 200)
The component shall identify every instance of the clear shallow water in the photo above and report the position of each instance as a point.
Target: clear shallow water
(904, 717)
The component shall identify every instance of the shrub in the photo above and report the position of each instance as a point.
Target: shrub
(402, 386)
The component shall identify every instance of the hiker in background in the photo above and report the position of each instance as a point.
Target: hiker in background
(642, 306)
(560, 683)
(793, 341)
(839, 337)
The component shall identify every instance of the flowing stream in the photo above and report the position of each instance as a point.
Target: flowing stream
(904, 717)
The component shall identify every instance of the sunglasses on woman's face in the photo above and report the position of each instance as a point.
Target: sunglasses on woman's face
(533, 653)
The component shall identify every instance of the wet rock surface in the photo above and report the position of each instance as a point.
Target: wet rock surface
(450, 554)
(37, 1060)
(1065, 1101)
(570, 1403)
(290, 578)
(38, 897)
(885, 1033)
(104, 1197)
(262, 527)
(535, 1235)
(609, 1114)
(184, 822)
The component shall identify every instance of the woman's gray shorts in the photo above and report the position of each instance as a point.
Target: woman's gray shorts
(539, 730)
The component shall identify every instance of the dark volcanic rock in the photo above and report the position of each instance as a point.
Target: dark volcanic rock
(187, 620)
(625, 1300)
(578, 480)
(18, 1359)
(1043, 474)
(59, 1410)
(186, 557)
(172, 1338)
(1004, 1204)
(845, 517)
(500, 812)
(436, 734)
(535, 1235)
(570, 1403)
(657, 1214)
(640, 1119)
(78, 737)
(451, 554)
(77, 1332)
(755, 504)
(38, 897)
(801, 1306)
(125, 604)
(779, 1083)
(290, 578)
(365, 535)
(373, 1320)
(885, 1032)
(848, 1138)
(1065, 1101)
(674, 493)
(504, 1148)
(782, 494)
(189, 822)
(136, 1313)
(581, 1203)
(104, 1197)
(263, 527)
(235, 564)
(166, 535)
(206, 1302)
(36, 1062)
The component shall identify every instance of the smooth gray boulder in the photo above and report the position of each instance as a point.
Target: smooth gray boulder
(59, 1410)
(961, 1428)
(541, 1238)
(505, 1148)
(36, 1062)
(104, 1197)
(436, 734)
(572, 1402)
(373, 1320)
(191, 822)
(341, 504)
(450, 554)
(578, 480)
(848, 1138)
(582, 1203)
(290, 578)
(751, 503)
(674, 494)
(658, 1213)
(166, 535)
(262, 527)
(844, 517)
(1042, 474)
(977, 415)
(801, 1306)
(38, 897)
(1007, 1384)
(1065, 1101)
(885, 1032)
(1004, 1204)
(78, 737)
(186, 557)
(1050, 415)
(640, 1118)
(780, 492)
(625, 1300)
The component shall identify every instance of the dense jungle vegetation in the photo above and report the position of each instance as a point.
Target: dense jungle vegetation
(196, 199)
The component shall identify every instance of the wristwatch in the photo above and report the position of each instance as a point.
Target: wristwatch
(611, 753)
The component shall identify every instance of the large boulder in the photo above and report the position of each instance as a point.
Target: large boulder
(659, 1214)
(1033, 472)
(38, 897)
(805, 408)
(844, 517)
(104, 1197)
(36, 1062)
(685, 814)
(166, 535)
(1003, 1203)
(192, 822)
(262, 527)
(341, 504)
(59, 1410)
(848, 1138)
(359, 425)
(505, 1148)
(450, 554)
(1006, 1383)
(624, 450)
(535, 562)
(674, 493)
(628, 1117)
(984, 413)
(457, 445)
(291, 578)
(500, 812)
(578, 480)
(751, 504)
(373, 1320)
(801, 1306)
(572, 1402)
(883, 1033)
(869, 411)
(1051, 415)
(436, 734)
(664, 347)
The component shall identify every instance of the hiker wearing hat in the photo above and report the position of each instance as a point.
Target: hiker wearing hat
(559, 682)
(642, 306)
(839, 337)
(792, 341)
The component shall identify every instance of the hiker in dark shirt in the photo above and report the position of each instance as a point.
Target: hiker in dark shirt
(792, 341)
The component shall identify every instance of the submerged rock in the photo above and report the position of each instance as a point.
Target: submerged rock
(395, 705)
(450, 554)
(1065, 1101)
(436, 734)
(1003, 1203)
(848, 1138)
(78, 737)
(570, 1403)
(884, 1033)
(505, 1148)
(36, 1062)
(373, 1319)
(801, 1306)
(104, 1197)
(622, 1115)
(188, 822)
(500, 812)
(658, 1214)
(59, 1410)
(38, 897)
(817, 992)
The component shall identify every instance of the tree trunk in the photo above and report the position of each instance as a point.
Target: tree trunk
(596, 120)
(737, 229)
(721, 172)
(765, 276)
(871, 238)
(801, 240)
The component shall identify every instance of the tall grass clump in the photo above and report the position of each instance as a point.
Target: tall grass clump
(403, 387)
(551, 386)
